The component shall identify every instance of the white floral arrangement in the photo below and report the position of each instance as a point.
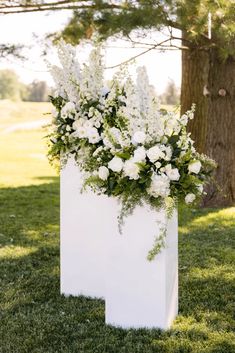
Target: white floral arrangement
(125, 145)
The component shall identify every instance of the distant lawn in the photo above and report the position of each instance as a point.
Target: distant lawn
(19, 112)
(35, 318)
(23, 153)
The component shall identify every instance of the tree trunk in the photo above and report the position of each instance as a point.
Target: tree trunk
(195, 65)
(210, 83)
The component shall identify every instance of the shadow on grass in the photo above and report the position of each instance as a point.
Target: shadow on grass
(37, 319)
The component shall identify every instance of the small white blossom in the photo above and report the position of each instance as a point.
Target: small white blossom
(116, 164)
(189, 198)
(194, 167)
(103, 173)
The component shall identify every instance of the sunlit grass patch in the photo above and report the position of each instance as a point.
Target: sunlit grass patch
(35, 318)
(13, 252)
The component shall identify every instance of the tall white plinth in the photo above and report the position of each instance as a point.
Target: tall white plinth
(140, 293)
(85, 222)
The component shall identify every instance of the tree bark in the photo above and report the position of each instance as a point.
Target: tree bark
(210, 83)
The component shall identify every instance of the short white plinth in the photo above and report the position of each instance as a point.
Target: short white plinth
(140, 293)
(85, 223)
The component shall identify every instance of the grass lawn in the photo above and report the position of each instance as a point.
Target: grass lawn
(35, 318)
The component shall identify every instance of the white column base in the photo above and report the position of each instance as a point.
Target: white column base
(140, 293)
(86, 220)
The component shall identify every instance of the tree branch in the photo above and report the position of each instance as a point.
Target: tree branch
(158, 45)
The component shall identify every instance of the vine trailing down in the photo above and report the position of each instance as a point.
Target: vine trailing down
(123, 143)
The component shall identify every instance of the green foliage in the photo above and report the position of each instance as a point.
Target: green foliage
(189, 16)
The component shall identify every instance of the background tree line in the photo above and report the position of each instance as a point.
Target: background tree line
(12, 88)
(38, 91)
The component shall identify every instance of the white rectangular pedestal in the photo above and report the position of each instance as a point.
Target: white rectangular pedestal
(140, 293)
(86, 221)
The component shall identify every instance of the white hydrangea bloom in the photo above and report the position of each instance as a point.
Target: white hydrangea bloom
(160, 186)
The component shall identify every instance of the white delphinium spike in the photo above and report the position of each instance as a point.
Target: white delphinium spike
(143, 89)
(66, 77)
(92, 76)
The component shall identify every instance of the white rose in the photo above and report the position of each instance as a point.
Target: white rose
(116, 164)
(139, 137)
(189, 198)
(155, 153)
(131, 169)
(93, 135)
(172, 173)
(194, 167)
(160, 186)
(103, 173)
(139, 154)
